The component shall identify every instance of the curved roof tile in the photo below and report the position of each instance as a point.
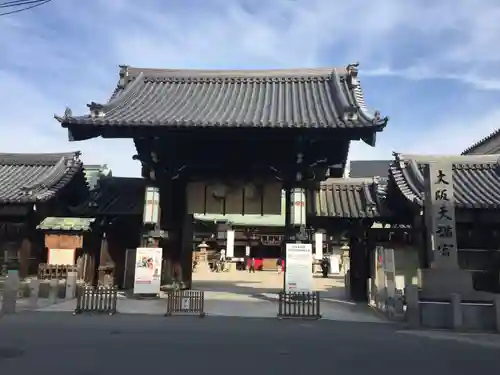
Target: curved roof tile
(352, 198)
(476, 178)
(31, 178)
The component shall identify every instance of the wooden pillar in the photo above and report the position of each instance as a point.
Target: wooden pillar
(288, 216)
(358, 272)
(24, 257)
(176, 223)
(186, 258)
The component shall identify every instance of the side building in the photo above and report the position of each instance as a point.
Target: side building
(32, 188)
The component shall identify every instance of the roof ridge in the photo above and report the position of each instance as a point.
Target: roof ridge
(46, 159)
(454, 159)
(481, 142)
(230, 73)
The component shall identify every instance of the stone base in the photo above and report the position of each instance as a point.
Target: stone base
(202, 267)
(230, 266)
(442, 283)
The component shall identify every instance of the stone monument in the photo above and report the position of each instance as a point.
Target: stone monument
(444, 277)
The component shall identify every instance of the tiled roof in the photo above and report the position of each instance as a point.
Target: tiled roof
(114, 196)
(369, 168)
(492, 139)
(93, 173)
(30, 178)
(350, 198)
(76, 224)
(476, 178)
(293, 98)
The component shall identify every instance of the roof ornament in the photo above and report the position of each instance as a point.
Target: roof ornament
(378, 119)
(352, 69)
(123, 76)
(352, 75)
(68, 114)
(350, 113)
(96, 110)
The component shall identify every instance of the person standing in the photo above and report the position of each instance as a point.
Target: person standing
(251, 269)
(279, 265)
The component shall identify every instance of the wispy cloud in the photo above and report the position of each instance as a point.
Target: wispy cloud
(66, 54)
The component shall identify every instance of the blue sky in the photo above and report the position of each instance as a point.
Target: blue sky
(432, 66)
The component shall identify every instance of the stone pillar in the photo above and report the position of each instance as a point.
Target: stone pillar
(11, 288)
(229, 244)
(53, 291)
(497, 311)
(456, 311)
(318, 244)
(230, 250)
(70, 285)
(34, 293)
(412, 306)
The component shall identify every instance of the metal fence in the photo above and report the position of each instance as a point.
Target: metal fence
(101, 299)
(299, 305)
(186, 302)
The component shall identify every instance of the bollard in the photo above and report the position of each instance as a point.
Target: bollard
(11, 288)
(347, 284)
(456, 311)
(34, 293)
(412, 306)
(496, 305)
(53, 291)
(70, 285)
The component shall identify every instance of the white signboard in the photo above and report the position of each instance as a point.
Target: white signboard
(147, 278)
(298, 267)
(61, 257)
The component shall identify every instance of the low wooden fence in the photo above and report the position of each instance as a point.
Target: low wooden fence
(299, 305)
(50, 271)
(186, 302)
(100, 299)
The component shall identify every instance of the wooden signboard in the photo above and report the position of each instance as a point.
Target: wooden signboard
(63, 241)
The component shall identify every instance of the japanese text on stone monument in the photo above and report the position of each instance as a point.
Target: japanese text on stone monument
(440, 205)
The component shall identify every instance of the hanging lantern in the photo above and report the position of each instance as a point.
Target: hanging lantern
(151, 206)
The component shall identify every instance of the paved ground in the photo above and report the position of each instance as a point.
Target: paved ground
(240, 294)
(62, 344)
(261, 282)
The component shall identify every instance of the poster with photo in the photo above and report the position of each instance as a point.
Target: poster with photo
(147, 279)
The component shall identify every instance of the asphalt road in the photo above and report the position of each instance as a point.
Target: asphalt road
(58, 343)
